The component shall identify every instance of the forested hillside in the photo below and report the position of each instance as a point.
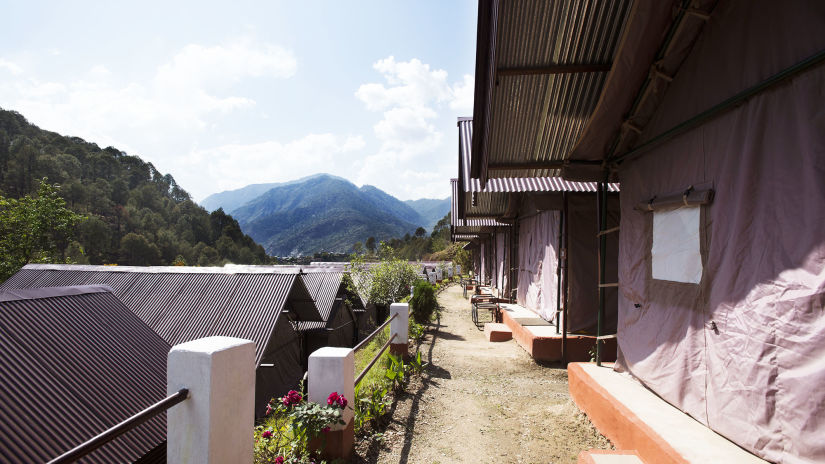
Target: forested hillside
(430, 210)
(134, 214)
(322, 213)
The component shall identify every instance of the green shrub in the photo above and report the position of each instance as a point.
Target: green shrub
(416, 331)
(396, 373)
(371, 404)
(423, 302)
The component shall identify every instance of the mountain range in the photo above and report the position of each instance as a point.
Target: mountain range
(323, 213)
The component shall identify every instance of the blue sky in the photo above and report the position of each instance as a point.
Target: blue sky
(223, 96)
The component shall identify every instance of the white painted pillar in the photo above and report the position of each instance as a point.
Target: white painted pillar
(439, 275)
(400, 326)
(450, 271)
(333, 370)
(214, 425)
(431, 277)
(458, 269)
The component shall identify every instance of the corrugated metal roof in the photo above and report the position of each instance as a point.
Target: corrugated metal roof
(469, 199)
(512, 184)
(73, 363)
(467, 226)
(537, 184)
(186, 303)
(324, 287)
(538, 117)
(454, 207)
(465, 141)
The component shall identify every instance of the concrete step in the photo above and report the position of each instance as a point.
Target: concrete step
(609, 457)
(632, 417)
(496, 332)
(544, 344)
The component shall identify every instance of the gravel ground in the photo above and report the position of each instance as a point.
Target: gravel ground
(479, 401)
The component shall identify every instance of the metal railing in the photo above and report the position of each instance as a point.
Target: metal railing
(374, 360)
(129, 424)
(380, 352)
(369, 338)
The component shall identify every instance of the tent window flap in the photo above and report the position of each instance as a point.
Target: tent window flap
(676, 245)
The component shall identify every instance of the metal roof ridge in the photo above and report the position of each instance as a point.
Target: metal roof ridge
(17, 294)
(232, 269)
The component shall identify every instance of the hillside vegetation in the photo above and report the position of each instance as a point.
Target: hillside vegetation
(323, 213)
(134, 214)
(419, 246)
(430, 210)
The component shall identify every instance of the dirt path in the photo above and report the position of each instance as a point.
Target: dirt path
(481, 402)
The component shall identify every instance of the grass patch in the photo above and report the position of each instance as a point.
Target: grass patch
(365, 355)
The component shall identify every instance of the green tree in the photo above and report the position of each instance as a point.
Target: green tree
(123, 193)
(34, 229)
(208, 257)
(370, 244)
(97, 234)
(383, 283)
(135, 250)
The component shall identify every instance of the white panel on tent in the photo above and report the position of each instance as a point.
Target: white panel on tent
(675, 250)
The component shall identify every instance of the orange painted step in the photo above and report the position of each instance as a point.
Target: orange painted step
(544, 344)
(496, 332)
(609, 457)
(634, 418)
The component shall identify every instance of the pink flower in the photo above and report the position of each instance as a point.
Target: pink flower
(266, 434)
(325, 429)
(268, 410)
(292, 397)
(335, 399)
(279, 460)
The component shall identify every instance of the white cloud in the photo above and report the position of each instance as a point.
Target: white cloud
(413, 100)
(224, 64)
(463, 95)
(174, 119)
(10, 67)
(413, 84)
(232, 166)
(183, 98)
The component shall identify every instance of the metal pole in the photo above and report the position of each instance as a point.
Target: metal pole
(565, 275)
(558, 271)
(374, 359)
(601, 206)
(129, 424)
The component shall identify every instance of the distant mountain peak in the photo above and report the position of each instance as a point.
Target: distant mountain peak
(323, 212)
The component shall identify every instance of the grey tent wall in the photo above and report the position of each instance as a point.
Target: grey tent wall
(743, 351)
(284, 353)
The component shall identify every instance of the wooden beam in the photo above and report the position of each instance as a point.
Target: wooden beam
(553, 69)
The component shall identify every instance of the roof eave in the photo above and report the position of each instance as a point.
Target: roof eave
(484, 83)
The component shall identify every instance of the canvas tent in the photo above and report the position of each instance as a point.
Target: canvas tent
(187, 303)
(711, 117)
(520, 247)
(74, 361)
(337, 306)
